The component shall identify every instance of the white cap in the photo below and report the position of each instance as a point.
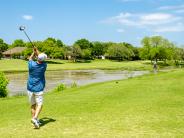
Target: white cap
(42, 56)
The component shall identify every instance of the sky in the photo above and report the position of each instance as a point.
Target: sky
(96, 20)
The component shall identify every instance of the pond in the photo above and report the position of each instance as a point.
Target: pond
(17, 81)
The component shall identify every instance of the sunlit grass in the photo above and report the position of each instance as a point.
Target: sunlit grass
(146, 106)
(13, 65)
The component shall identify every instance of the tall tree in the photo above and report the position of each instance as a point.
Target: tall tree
(119, 52)
(83, 43)
(3, 47)
(59, 43)
(98, 49)
(76, 52)
(18, 43)
(157, 48)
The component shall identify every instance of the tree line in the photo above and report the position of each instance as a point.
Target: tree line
(155, 48)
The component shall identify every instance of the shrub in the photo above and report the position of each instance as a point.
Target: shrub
(74, 85)
(3, 84)
(60, 87)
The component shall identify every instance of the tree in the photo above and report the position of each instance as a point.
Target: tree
(178, 55)
(57, 53)
(18, 43)
(59, 43)
(119, 52)
(145, 51)
(86, 54)
(3, 47)
(50, 39)
(133, 52)
(76, 52)
(157, 48)
(181, 53)
(98, 49)
(83, 43)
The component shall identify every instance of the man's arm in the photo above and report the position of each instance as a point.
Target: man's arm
(34, 54)
(31, 57)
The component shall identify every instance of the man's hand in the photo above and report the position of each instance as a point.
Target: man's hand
(36, 52)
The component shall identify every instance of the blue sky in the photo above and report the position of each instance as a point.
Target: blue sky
(95, 20)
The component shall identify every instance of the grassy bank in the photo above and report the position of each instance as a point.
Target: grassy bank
(146, 106)
(15, 65)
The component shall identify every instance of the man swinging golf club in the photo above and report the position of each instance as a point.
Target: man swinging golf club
(36, 84)
(36, 81)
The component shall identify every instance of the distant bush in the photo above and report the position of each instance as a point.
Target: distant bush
(74, 85)
(60, 87)
(3, 84)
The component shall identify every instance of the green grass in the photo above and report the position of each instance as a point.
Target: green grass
(15, 65)
(146, 106)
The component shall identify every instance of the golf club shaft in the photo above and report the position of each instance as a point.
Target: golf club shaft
(28, 38)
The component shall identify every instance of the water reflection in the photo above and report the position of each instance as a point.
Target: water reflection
(17, 83)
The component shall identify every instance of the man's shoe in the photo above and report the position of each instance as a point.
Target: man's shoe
(38, 121)
(35, 123)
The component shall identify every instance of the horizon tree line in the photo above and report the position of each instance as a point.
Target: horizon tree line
(155, 48)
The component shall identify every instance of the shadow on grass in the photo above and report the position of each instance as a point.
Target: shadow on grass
(53, 62)
(83, 61)
(79, 61)
(46, 120)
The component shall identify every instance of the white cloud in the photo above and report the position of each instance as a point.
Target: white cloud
(169, 29)
(27, 17)
(158, 19)
(120, 30)
(176, 28)
(176, 7)
(143, 19)
(156, 22)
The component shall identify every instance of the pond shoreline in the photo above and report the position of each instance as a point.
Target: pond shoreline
(18, 80)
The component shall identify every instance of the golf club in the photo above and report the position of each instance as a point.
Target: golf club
(22, 28)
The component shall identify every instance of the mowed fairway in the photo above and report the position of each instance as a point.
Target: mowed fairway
(146, 106)
(17, 65)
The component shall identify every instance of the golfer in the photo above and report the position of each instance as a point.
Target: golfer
(155, 67)
(36, 84)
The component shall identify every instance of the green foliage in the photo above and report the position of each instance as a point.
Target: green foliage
(119, 52)
(98, 49)
(27, 52)
(83, 43)
(3, 85)
(3, 47)
(180, 52)
(18, 43)
(59, 43)
(57, 53)
(60, 87)
(76, 52)
(145, 51)
(74, 85)
(154, 48)
(157, 48)
(86, 54)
